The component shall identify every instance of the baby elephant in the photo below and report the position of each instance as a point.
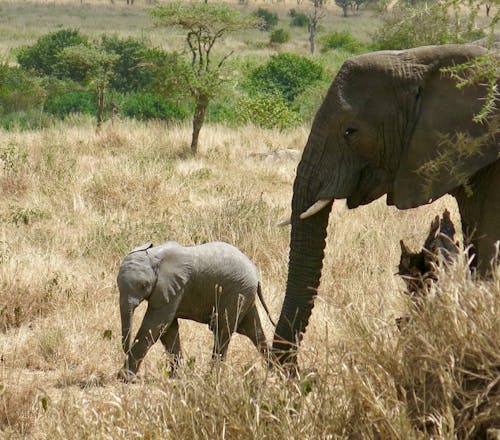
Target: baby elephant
(213, 283)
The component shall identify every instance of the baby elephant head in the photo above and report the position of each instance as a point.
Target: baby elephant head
(136, 281)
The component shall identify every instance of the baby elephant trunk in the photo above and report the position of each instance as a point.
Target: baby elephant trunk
(127, 307)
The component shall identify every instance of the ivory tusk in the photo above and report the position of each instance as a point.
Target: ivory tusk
(315, 208)
(284, 222)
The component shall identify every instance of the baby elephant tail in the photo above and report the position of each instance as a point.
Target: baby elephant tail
(259, 293)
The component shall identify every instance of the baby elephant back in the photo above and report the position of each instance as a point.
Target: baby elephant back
(222, 264)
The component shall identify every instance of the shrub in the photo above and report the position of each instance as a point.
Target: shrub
(19, 91)
(137, 65)
(221, 110)
(436, 23)
(84, 102)
(287, 74)
(85, 64)
(151, 106)
(43, 55)
(269, 19)
(30, 120)
(341, 40)
(280, 36)
(298, 19)
(267, 110)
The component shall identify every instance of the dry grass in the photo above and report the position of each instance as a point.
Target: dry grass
(75, 201)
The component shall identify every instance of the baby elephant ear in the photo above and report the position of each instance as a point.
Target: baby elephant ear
(174, 271)
(142, 247)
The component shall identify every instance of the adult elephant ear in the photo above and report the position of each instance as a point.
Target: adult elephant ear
(445, 147)
(174, 268)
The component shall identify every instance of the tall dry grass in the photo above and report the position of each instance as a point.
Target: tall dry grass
(74, 202)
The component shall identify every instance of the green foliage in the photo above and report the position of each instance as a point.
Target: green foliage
(93, 66)
(280, 36)
(19, 91)
(151, 106)
(134, 68)
(269, 19)
(222, 110)
(298, 19)
(267, 110)
(138, 68)
(25, 120)
(42, 57)
(205, 24)
(83, 102)
(341, 41)
(287, 74)
(437, 23)
(481, 70)
(308, 102)
(85, 64)
(203, 17)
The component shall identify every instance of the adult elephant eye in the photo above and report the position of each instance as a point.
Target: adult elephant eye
(349, 131)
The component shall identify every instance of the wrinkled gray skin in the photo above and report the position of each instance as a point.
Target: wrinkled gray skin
(212, 283)
(379, 123)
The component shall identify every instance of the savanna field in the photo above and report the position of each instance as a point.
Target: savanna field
(76, 199)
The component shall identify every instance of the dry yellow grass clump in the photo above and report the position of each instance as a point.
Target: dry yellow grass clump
(74, 202)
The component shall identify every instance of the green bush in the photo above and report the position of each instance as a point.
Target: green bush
(137, 67)
(29, 120)
(84, 102)
(298, 19)
(221, 111)
(280, 36)
(340, 41)
(269, 19)
(287, 74)
(436, 23)
(42, 57)
(151, 106)
(267, 110)
(19, 91)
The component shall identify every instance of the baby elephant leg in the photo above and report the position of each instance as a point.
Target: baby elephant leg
(154, 323)
(251, 327)
(172, 343)
(223, 329)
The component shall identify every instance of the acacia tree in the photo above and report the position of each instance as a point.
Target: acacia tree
(95, 67)
(205, 25)
(344, 5)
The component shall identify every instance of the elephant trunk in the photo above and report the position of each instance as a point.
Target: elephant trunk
(307, 244)
(127, 308)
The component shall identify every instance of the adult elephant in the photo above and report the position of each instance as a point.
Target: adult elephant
(382, 122)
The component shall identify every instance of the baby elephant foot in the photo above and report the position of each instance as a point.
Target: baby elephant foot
(126, 376)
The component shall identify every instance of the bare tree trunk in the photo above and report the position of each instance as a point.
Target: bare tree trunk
(100, 106)
(198, 120)
(312, 36)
